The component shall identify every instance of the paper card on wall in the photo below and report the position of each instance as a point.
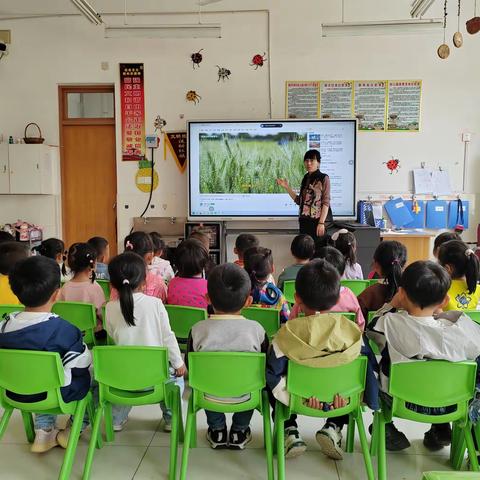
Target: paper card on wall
(398, 212)
(422, 180)
(441, 183)
(436, 214)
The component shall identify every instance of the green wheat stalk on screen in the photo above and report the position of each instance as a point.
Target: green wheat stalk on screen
(245, 164)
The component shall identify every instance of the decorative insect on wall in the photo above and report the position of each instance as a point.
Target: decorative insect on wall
(258, 60)
(393, 165)
(223, 73)
(193, 96)
(196, 58)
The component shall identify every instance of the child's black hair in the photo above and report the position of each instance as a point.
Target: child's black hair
(245, 241)
(127, 272)
(462, 260)
(203, 236)
(138, 242)
(444, 238)
(34, 280)
(425, 283)
(303, 247)
(192, 258)
(346, 244)
(312, 155)
(100, 244)
(228, 287)
(6, 237)
(391, 256)
(51, 248)
(81, 257)
(10, 254)
(318, 285)
(334, 257)
(158, 243)
(258, 262)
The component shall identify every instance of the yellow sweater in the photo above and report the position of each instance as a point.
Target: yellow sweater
(6, 294)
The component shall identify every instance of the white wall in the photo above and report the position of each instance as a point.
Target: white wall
(48, 52)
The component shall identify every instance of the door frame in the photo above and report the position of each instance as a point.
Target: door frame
(64, 121)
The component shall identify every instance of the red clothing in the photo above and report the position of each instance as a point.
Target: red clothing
(154, 287)
(189, 292)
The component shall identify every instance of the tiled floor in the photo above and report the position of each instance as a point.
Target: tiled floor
(141, 452)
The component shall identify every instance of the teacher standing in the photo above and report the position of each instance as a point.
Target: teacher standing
(314, 197)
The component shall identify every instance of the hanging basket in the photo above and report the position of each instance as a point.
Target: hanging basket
(37, 140)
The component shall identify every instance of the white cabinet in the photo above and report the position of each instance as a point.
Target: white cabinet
(4, 169)
(32, 169)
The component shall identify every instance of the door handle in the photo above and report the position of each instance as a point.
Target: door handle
(114, 206)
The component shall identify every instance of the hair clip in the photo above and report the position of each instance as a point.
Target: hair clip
(129, 245)
(126, 281)
(469, 252)
(395, 261)
(338, 233)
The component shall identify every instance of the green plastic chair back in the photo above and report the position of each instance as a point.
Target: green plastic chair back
(226, 374)
(304, 382)
(268, 318)
(473, 314)
(30, 372)
(82, 315)
(352, 316)
(5, 309)
(451, 476)
(289, 291)
(373, 281)
(105, 284)
(356, 286)
(182, 319)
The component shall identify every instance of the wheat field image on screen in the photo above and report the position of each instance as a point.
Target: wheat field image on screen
(245, 163)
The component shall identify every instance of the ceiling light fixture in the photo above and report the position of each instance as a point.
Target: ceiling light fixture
(420, 7)
(88, 11)
(391, 27)
(194, 30)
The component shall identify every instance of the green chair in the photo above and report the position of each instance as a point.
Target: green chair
(433, 383)
(109, 340)
(182, 319)
(82, 315)
(324, 383)
(5, 309)
(134, 376)
(268, 318)
(30, 372)
(373, 281)
(226, 374)
(451, 476)
(352, 316)
(356, 286)
(289, 291)
(105, 284)
(473, 314)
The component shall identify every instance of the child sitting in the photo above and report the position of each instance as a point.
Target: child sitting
(189, 287)
(316, 340)
(160, 266)
(54, 248)
(10, 254)
(347, 301)
(227, 331)
(389, 260)
(462, 264)
(102, 248)
(302, 249)
(36, 282)
(407, 329)
(242, 243)
(141, 244)
(443, 238)
(83, 287)
(259, 266)
(139, 319)
(346, 243)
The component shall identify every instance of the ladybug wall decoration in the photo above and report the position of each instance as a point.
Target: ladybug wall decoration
(258, 60)
(196, 58)
(192, 96)
(393, 165)
(223, 73)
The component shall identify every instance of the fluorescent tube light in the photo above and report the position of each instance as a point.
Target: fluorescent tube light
(195, 30)
(88, 11)
(393, 27)
(420, 7)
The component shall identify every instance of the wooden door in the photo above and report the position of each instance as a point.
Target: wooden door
(89, 180)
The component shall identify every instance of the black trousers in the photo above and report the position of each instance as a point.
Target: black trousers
(308, 226)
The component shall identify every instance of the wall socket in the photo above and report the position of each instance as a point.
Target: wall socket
(466, 137)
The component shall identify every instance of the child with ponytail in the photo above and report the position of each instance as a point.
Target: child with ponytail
(462, 264)
(54, 248)
(258, 262)
(346, 243)
(141, 320)
(83, 287)
(389, 261)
